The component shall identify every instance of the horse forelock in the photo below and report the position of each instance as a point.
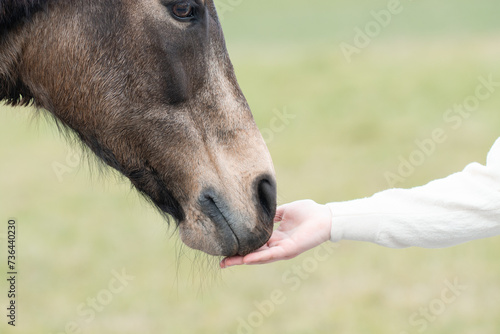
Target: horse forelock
(15, 11)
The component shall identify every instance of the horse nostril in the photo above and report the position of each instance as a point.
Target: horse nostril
(266, 194)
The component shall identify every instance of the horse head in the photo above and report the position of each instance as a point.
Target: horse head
(148, 86)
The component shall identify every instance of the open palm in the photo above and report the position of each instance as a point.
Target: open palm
(303, 225)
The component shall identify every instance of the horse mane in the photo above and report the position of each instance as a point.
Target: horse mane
(13, 12)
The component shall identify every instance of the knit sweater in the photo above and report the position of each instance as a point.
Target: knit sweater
(461, 207)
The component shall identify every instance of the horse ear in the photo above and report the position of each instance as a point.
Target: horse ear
(15, 11)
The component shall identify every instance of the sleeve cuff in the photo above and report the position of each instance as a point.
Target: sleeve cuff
(349, 222)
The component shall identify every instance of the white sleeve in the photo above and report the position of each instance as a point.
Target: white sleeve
(462, 207)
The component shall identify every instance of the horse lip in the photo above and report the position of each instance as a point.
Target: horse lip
(216, 209)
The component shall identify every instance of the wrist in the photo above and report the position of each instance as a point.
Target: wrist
(327, 217)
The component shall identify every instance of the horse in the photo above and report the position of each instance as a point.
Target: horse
(147, 86)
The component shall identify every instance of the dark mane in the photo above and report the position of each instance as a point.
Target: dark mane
(13, 12)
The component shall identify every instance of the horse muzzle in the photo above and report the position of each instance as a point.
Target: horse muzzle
(238, 231)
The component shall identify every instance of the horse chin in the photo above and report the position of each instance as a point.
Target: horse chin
(222, 240)
(209, 243)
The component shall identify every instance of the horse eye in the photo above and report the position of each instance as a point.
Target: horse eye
(183, 10)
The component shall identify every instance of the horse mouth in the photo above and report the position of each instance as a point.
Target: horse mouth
(219, 214)
(212, 225)
(233, 235)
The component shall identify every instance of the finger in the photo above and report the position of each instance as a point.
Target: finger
(277, 236)
(271, 260)
(266, 256)
(231, 261)
(266, 246)
(238, 260)
(280, 211)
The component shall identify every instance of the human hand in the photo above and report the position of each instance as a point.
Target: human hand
(303, 225)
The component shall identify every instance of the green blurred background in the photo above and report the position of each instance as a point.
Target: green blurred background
(348, 124)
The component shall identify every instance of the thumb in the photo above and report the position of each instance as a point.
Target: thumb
(280, 212)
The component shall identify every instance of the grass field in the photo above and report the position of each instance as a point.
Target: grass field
(348, 124)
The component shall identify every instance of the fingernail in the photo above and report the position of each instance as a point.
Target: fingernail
(223, 265)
